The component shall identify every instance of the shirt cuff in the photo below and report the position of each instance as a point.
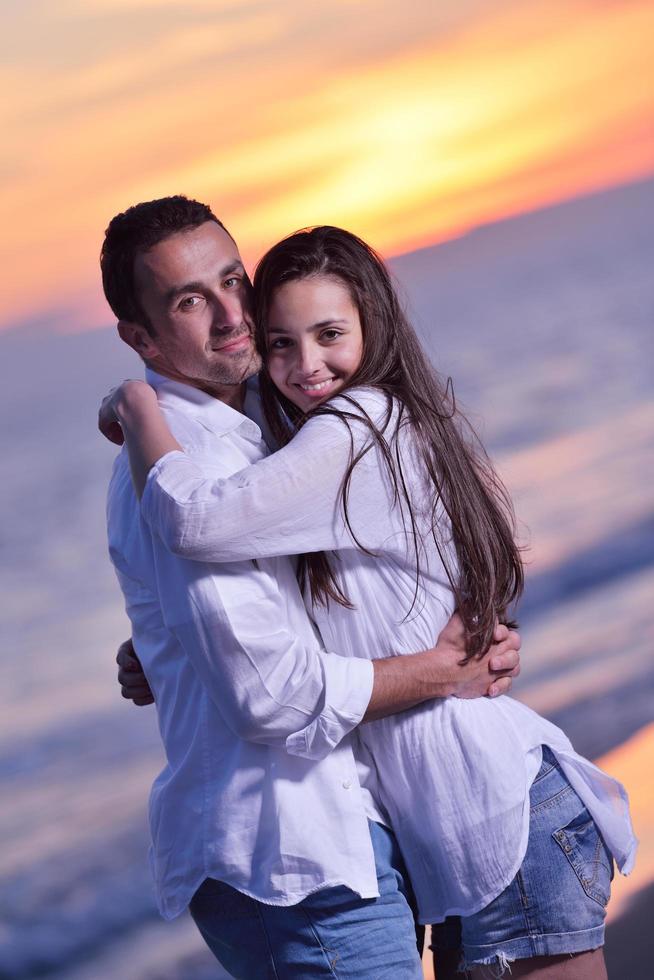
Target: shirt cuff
(348, 689)
(160, 486)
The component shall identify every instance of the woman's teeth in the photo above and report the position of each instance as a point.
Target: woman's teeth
(317, 387)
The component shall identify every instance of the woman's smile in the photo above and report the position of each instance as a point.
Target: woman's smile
(317, 387)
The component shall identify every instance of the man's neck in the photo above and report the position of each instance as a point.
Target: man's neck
(232, 395)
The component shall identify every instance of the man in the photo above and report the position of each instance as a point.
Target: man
(259, 820)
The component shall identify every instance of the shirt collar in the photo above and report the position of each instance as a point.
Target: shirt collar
(213, 413)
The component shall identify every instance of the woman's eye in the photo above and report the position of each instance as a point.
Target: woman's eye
(330, 334)
(279, 343)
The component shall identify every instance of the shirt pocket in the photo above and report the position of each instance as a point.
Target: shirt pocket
(591, 860)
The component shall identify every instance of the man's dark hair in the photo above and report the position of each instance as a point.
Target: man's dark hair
(137, 230)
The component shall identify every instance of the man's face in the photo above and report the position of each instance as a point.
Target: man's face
(193, 288)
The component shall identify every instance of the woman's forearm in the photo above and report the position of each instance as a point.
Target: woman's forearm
(287, 503)
(146, 432)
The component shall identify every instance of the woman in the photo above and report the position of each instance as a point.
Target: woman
(401, 520)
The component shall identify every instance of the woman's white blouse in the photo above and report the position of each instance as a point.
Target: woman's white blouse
(453, 775)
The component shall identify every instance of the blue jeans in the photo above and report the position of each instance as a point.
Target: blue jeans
(332, 933)
(557, 902)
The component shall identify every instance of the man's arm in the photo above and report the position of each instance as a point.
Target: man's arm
(399, 682)
(403, 682)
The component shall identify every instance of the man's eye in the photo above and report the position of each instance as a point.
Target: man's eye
(231, 282)
(189, 302)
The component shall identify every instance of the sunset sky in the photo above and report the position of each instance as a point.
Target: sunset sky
(405, 122)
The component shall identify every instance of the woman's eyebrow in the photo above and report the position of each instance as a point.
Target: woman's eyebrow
(328, 322)
(314, 326)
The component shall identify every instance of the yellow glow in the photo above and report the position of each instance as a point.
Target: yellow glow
(632, 764)
(517, 107)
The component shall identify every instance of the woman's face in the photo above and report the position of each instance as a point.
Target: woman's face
(314, 339)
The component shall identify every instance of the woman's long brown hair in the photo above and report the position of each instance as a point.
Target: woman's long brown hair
(488, 576)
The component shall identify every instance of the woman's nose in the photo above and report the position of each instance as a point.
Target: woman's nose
(308, 360)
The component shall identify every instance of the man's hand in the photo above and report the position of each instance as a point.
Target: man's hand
(489, 675)
(402, 682)
(133, 684)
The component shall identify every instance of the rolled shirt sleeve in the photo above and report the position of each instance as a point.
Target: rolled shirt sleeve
(272, 683)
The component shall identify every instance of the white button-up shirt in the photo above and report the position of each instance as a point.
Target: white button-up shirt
(260, 789)
(453, 775)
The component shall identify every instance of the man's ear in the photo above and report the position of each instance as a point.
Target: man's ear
(137, 337)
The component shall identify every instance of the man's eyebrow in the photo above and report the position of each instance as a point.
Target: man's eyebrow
(235, 266)
(197, 286)
(314, 326)
(188, 287)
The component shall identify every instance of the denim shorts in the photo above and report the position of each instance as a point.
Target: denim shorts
(557, 901)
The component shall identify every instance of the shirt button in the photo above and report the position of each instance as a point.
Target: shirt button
(347, 783)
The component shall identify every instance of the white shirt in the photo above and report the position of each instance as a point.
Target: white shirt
(260, 789)
(453, 775)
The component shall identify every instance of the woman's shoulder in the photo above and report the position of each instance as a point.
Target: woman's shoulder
(364, 403)
(363, 413)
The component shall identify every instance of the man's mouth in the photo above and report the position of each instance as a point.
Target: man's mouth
(234, 344)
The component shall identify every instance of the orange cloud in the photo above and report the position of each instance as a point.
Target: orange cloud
(264, 116)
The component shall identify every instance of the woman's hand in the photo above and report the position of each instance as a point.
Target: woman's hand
(130, 413)
(114, 405)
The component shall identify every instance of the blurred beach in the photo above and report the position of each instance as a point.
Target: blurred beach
(545, 323)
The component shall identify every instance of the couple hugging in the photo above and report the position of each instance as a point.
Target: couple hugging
(321, 616)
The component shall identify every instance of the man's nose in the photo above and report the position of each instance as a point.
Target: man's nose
(229, 312)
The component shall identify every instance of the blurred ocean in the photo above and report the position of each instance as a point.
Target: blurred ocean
(545, 323)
